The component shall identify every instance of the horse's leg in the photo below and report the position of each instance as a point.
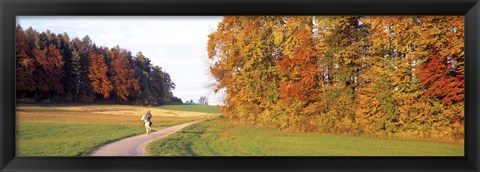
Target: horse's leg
(149, 128)
(146, 130)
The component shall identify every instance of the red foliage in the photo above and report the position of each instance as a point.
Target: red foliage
(98, 69)
(125, 81)
(436, 75)
(51, 62)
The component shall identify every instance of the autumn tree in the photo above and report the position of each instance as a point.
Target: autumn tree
(396, 76)
(97, 73)
(244, 55)
(124, 79)
(50, 71)
(407, 42)
(442, 69)
(389, 68)
(53, 67)
(299, 70)
(344, 42)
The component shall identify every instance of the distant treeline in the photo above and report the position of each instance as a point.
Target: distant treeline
(54, 68)
(376, 75)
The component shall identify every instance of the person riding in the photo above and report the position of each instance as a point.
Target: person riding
(148, 116)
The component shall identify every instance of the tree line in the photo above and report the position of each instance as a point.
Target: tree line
(54, 68)
(386, 76)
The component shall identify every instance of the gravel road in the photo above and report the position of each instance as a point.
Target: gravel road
(135, 145)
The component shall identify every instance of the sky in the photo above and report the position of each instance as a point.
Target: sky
(178, 44)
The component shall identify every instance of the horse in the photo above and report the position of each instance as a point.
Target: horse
(147, 125)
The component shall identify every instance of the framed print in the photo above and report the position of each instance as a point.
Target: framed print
(239, 85)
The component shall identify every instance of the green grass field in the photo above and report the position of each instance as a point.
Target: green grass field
(49, 139)
(192, 108)
(77, 129)
(220, 138)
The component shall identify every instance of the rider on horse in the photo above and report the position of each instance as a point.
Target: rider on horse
(147, 122)
(148, 117)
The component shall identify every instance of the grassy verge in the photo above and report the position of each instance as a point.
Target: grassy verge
(222, 138)
(48, 139)
(192, 108)
(77, 129)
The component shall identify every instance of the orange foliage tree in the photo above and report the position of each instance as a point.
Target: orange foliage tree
(124, 79)
(399, 76)
(299, 70)
(50, 72)
(52, 67)
(97, 73)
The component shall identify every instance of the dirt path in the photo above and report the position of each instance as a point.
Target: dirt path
(135, 145)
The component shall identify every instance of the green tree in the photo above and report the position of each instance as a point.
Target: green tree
(25, 65)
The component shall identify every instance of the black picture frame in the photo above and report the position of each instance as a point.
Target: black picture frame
(9, 9)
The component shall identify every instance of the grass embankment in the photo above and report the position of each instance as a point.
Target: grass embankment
(221, 138)
(77, 129)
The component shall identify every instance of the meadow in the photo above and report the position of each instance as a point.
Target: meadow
(77, 129)
(192, 108)
(223, 138)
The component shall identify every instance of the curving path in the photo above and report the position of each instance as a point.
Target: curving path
(135, 145)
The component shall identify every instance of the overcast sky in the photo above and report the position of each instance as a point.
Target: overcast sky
(177, 44)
